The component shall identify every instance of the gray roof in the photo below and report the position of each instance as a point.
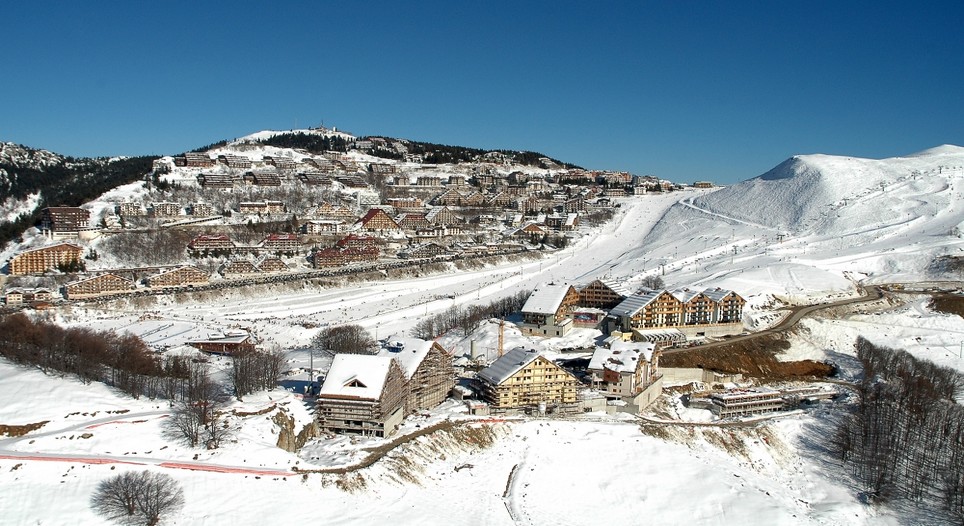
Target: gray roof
(685, 295)
(635, 303)
(717, 294)
(508, 365)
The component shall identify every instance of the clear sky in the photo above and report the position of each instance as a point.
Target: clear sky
(684, 90)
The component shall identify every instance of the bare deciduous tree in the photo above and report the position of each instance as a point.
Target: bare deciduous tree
(345, 339)
(255, 370)
(137, 497)
(198, 417)
(653, 282)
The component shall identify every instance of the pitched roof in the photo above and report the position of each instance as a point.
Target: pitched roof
(615, 286)
(356, 376)
(546, 299)
(509, 364)
(635, 303)
(409, 352)
(717, 294)
(622, 357)
(685, 295)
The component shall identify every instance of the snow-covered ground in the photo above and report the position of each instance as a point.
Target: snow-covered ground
(588, 471)
(860, 221)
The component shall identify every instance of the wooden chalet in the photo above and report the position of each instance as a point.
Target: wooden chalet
(20, 296)
(357, 241)
(328, 210)
(625, 369)
(281, 163)
(523, 379)
(234, 161)
(362, 395)
(211, 242)
(281, 243)
(406, 204)
(548, 309)
(603, 294)
(681, 309)
(729, 305)
(429, 375)
(352, 181)
(198, 159)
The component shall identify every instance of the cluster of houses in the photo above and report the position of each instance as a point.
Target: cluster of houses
(658, 316)
(370, 395)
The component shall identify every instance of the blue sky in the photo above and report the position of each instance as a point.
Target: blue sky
(683, 90)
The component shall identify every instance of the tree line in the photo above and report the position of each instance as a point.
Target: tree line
(905, 440)
(120, 360)
(467, 319)
(71, 182)
(124, 361)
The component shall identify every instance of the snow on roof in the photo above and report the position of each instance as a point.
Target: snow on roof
(223, 338)
(356, 376)
(633, 304)
(616, 287)
(622, 356)
(409, 352)
(546, 298)
(717, 294)
(508, 365)
(685, 295)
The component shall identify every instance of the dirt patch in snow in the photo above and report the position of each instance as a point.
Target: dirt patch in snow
(948, 304)
(21, 430)
(756, 357)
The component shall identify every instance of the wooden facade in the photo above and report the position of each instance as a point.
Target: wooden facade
(376, 220)
(347, 403)
(103, 285)
(602, 294)
(524, 379)
(681, 308)
(178, 277)
(44, 259)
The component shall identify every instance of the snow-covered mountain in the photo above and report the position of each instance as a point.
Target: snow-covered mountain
(824, 194)
(814, 223)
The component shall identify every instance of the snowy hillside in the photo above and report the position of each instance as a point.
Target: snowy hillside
(806, 231)
(826, 194)
(818, 223)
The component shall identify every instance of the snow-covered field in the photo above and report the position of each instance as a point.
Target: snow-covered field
(854, 221)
